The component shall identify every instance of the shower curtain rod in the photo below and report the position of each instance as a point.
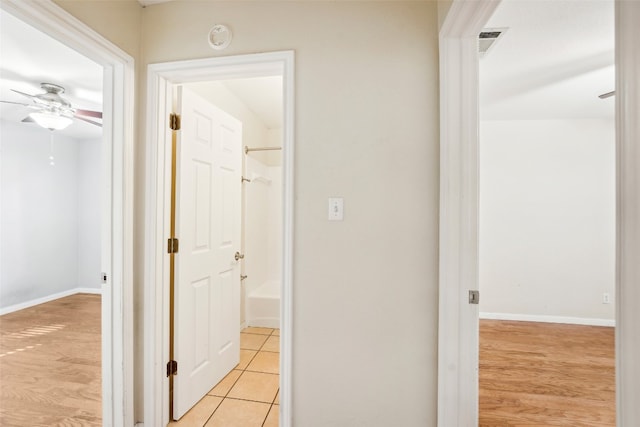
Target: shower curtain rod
(247, 149)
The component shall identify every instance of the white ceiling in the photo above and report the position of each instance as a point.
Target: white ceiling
(28, 58)
(552, 63)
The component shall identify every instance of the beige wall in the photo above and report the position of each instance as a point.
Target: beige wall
(443, 9)
(366, 117)
(116, 20)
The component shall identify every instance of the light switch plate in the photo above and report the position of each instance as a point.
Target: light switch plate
(336, 208)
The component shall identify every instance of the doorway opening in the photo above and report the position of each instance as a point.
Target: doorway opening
(114, 239)
(458, 326)
(547, 216)
(213, 79)
(239, 188)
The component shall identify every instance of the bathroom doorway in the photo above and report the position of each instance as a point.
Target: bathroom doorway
(227, 199)
(257, 103)
(215, 77)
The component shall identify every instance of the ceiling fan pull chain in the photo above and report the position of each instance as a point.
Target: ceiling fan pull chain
(51, 157)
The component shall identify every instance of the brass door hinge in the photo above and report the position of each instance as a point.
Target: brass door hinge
(172, 245)
(172, 368)
(174, 121)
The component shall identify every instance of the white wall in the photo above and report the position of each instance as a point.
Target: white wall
(547, 218)
(44, 225)
(89, 213)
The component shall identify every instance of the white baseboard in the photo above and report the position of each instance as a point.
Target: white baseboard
(548, 319)
(95, 291)
(48, 298)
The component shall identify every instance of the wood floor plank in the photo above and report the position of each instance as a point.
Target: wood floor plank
(546, 374)
(50, 364)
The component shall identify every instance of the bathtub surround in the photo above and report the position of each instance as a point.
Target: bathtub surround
(263, 243)
(263, 305)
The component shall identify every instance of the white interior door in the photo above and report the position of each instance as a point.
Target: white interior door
(207, 275)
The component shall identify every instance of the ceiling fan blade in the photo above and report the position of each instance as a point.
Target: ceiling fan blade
(28, 119)
(607, 95)
(89, 121)
(17, 103)
(88, 113)
(23, 94)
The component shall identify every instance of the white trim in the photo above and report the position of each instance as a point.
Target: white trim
(458, 270)
(48, 298)
(118, 132)
(458, 212)
(628, 213)
(161, 79)
(548, 319)
(93, 291)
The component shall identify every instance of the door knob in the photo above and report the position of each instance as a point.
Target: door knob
(238, 256)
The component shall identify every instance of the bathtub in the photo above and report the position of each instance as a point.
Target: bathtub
(263, 305)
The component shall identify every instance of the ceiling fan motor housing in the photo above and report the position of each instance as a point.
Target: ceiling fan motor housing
(52, 100)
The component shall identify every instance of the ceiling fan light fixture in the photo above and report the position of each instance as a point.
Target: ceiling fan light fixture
(51, 121)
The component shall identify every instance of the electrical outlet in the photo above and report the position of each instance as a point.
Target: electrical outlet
(606, 299)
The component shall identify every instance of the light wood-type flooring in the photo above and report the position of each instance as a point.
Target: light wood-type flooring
(531, 374)
(50, 365)
(546, 374)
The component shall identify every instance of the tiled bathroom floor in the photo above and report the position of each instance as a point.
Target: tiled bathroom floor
(249, 395)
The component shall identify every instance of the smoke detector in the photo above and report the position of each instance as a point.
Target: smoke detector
(488, 38)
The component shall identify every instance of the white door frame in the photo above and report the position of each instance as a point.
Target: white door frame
(161, 80)
(458, 338)
(118, 130)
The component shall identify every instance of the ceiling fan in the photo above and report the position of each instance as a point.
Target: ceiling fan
(52, 111)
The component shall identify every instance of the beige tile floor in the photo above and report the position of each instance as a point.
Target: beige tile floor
(249, 395)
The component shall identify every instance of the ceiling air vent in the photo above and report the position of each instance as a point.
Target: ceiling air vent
(488, 38)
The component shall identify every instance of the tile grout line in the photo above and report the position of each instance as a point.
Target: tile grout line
(226, 396)
(248, 400)
(274, 397)
(277, 391)
(232, 385)
(214, 411)
(267, 416)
